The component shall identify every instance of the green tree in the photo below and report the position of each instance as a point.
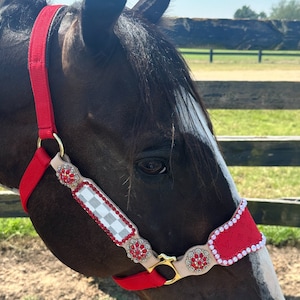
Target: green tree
(247, 13)
(262, 15)
(287, 10)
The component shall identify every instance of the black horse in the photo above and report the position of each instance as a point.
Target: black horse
(130, 118)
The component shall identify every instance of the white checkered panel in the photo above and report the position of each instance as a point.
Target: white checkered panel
(105, 214)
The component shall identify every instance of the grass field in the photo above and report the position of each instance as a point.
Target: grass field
(236, 60)
(246, 67)
(258, 182)
(261, 182)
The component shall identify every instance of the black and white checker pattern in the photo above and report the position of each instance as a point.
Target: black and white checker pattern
(108, 217)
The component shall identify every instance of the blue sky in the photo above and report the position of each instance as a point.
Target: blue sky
(207, 8)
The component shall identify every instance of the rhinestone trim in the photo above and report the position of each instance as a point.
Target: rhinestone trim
(68, 175)
(138, 250)
(109, 218)
(197, 260)
(234, 220)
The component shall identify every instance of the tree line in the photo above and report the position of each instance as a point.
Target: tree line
(283, 10)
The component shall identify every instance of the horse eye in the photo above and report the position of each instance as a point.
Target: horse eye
(152, 167)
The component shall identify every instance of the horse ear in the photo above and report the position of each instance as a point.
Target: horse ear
(152, 10)
(98, 18)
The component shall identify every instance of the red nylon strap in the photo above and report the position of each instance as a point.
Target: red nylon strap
(242, 236)
(141, 281)
(37, 65)
(33, 174)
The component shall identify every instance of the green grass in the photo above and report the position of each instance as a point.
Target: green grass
(281, 236)
(11, 227)
(256, 122)
(240, 60)
(261, 182)
(264, 182)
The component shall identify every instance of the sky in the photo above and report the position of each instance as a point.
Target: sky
(206, 9)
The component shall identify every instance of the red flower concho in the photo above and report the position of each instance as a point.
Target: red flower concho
(138, 250)
(68, 175)
(197, 260)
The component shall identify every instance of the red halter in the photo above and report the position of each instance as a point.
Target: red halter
(225, 246)
(37, 65)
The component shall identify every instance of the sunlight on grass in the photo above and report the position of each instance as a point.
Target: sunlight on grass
(242, 62)
(10, 227)
(256, 122)
(267, 182)
(196, 65)
(281, 236)
(261, 182)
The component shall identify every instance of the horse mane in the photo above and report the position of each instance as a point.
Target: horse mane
(155, 60)
(156, 63)
(159, 67)
(19, 15)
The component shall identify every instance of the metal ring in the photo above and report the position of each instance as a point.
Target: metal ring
(59, 142)
(165, 260)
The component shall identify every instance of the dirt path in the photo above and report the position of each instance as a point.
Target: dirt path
(28, 271)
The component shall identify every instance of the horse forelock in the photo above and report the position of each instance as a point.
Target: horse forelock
(158, 67)
(155, 61)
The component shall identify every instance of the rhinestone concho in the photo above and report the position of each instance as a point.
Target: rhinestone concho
(138, 250)
(197, 260)
(68, 175)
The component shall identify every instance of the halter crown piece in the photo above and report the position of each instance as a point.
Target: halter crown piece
(226, 245)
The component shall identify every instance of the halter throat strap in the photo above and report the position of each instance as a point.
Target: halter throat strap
(226, 245)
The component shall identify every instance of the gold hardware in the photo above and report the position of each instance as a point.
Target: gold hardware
(59, 142)
(166, 260)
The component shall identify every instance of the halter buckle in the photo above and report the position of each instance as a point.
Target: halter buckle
(165, 260)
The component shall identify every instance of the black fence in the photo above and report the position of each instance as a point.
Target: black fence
(211, 53)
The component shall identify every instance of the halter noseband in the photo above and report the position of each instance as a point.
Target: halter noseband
(226, 245)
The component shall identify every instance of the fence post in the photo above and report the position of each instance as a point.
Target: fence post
(211, 55)
(259, 56)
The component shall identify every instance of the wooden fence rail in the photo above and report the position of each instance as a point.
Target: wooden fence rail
(259, 151)
(255, 151)
(241, 151)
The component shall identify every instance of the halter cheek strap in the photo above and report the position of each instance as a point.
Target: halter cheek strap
(226, 245)
(37, 66)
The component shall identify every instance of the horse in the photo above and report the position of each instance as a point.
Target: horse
(129, 117)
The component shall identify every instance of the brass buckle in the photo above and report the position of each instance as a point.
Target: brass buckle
(59, 142)
(166, 260)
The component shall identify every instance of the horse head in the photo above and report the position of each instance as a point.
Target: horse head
(131, 119)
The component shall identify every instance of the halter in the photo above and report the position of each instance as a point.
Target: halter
(225, 246)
